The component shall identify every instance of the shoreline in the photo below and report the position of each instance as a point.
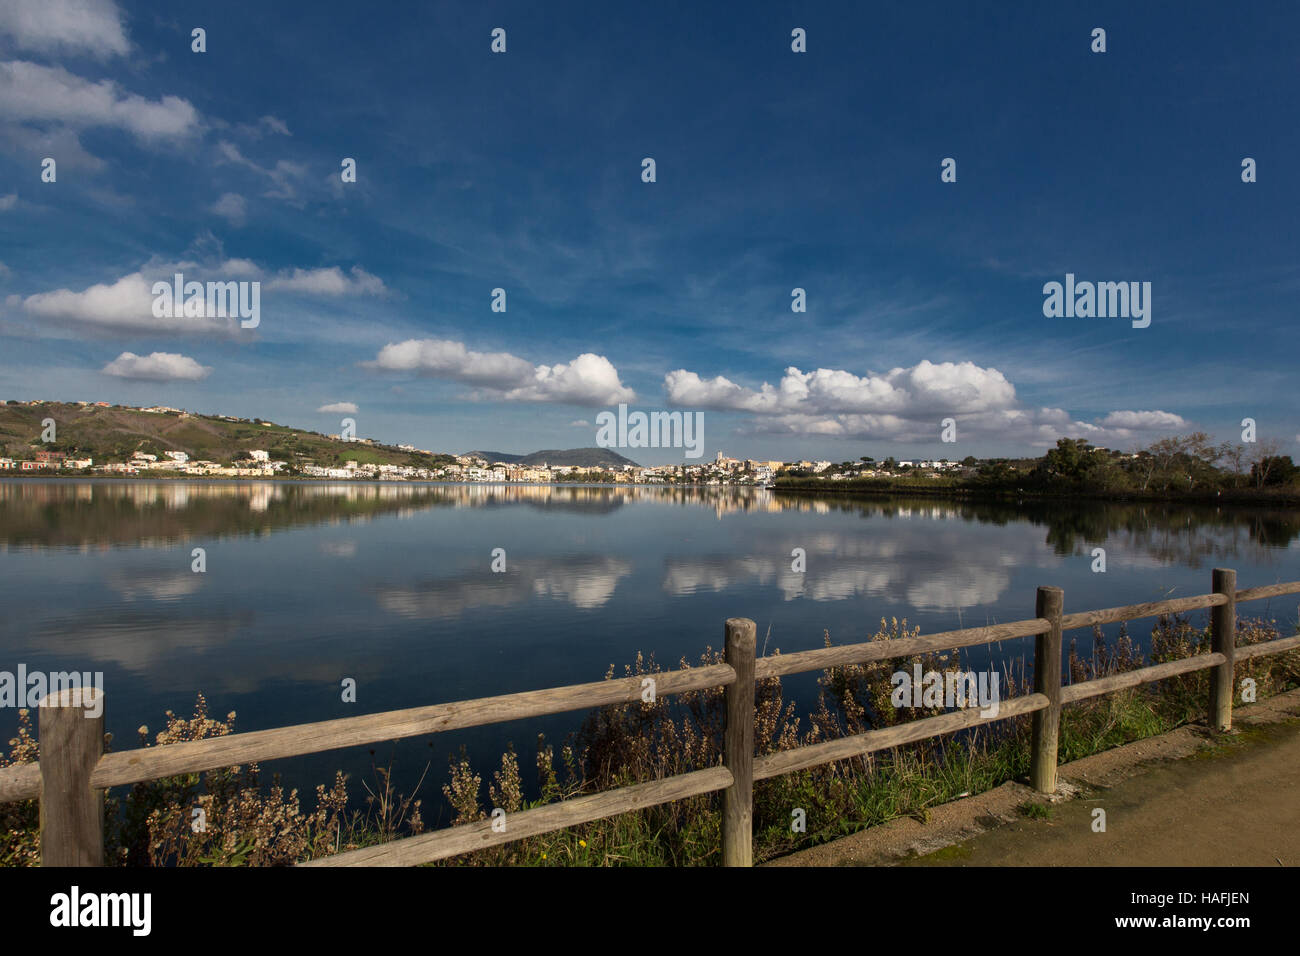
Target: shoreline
(1235, 497)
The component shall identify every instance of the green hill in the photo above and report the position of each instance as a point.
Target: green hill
(116, 433)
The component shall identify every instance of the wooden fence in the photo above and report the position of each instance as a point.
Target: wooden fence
(74, 771)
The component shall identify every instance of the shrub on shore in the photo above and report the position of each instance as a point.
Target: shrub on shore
(246, 823)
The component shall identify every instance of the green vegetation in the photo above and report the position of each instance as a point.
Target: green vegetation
(116, 433)
(1035, 810)
(248, 824)
(1184, 467)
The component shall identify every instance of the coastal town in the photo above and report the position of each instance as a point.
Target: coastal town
(470, 467)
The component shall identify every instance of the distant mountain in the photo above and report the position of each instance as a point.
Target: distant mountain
(491, 456)
(579, 457)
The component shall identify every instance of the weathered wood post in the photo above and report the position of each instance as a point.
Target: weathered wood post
(1047, 680)
(738, 799)
(72, 813)
(1223, 639)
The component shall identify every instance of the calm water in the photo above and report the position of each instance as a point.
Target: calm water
(391, 585)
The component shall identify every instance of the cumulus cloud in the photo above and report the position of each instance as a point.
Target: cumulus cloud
(91, 26)
(1142, 420)
(30, 92)
(122, 306)
(126, 305)
(232, 208)
(926, 387)
(330, 281)
(342, 408)
(904, 404)
(586, 380)
(157, 367)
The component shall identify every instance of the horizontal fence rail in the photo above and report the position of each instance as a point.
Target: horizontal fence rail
(73, 772)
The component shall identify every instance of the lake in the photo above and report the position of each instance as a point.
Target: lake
(391, 585)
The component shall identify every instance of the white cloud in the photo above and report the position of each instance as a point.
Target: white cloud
(7, 202)
(905, 404)
(1142, 420)
(93, 26)
(341, 408)
(586, 380)
(122, 306)
(580, 423)
(443, 358)
(156, 367)
(32, 92)
(126, 305)
(231, 207)
(330, 281)
(240, 267)
(926, 387)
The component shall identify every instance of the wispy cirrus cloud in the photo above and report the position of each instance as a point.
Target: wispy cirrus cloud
(283, 178)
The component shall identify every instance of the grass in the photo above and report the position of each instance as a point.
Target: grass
(1035, 811)
(248, 822)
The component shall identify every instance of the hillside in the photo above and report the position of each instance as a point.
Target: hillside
(115, 433)
(580, 457)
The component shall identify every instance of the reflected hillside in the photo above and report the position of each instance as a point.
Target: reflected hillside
(61, 514)
(106, 513)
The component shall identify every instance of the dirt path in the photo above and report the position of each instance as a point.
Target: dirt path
(1187, 798)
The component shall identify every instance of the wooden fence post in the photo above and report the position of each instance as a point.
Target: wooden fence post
(1223, 639)
(72, 813)
(738, 799)
(1047, 680)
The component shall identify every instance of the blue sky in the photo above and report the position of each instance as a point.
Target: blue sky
(775, 170)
